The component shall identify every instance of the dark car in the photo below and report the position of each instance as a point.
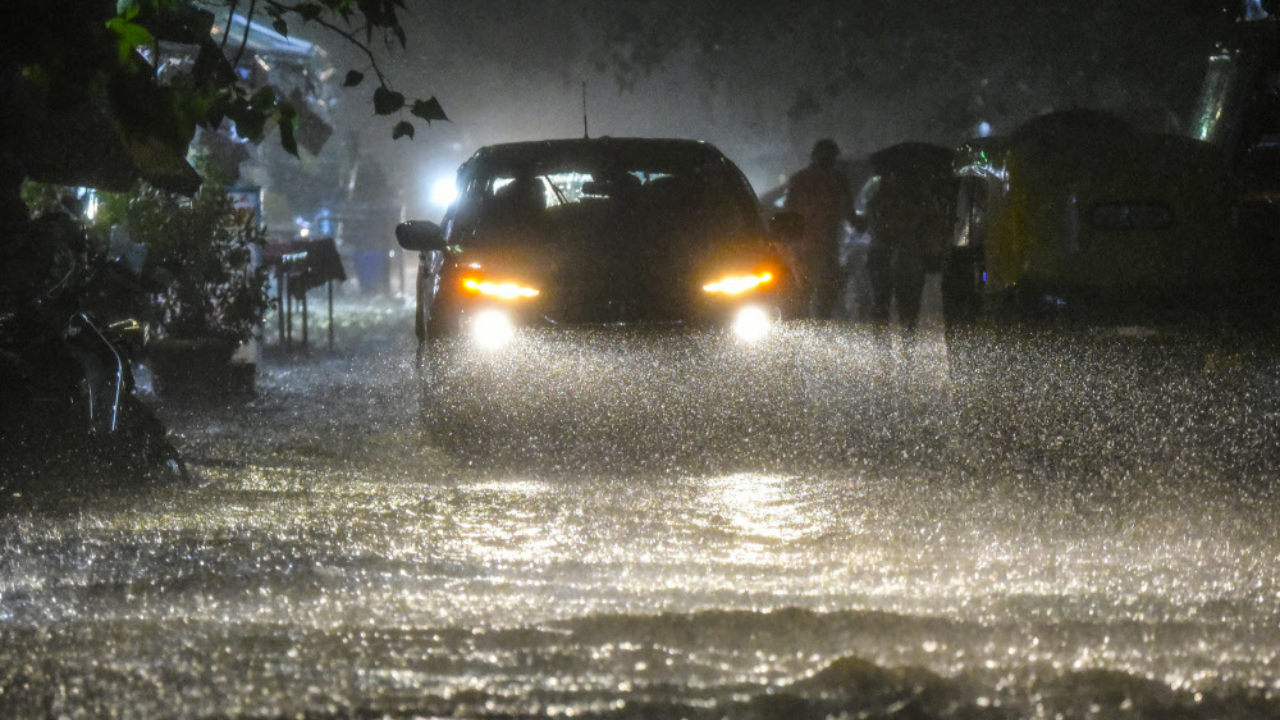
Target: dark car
(607, 230)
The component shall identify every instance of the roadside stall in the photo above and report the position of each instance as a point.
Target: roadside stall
(300, 266)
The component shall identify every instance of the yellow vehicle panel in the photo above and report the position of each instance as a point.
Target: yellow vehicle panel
(1081, 202)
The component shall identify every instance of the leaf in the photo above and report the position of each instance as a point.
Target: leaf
(211, 66)
(309, 11)
(353, 79)
(403, 128)
(429, 110)
(129, 35)
(264, 98)
(250, 122)
(217, 111)
(191, 103)
(288, 140)
(387, 101)
(281, 26)
(250, 116)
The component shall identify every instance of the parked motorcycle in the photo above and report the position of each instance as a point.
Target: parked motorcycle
(69, 412)
(71, 399)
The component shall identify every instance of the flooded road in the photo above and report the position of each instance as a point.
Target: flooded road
(629, 525)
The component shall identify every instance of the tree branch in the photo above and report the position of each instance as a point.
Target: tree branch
(227, 35)
(244, 40)
(345, 34)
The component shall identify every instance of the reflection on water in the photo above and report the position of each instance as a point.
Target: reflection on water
(760, 507)
(840, 529)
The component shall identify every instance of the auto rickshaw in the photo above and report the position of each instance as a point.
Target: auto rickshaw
(1077, 215)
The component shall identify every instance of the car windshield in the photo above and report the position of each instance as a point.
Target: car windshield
(548, 200)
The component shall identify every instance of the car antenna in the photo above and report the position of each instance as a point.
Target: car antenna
(585, 135)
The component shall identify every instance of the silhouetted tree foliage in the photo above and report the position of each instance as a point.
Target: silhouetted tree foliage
(81, 66)
(975, 58)
(971, 60)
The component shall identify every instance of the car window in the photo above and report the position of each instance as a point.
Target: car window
(557, 201)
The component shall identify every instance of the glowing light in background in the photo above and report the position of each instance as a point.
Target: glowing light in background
(443, 192)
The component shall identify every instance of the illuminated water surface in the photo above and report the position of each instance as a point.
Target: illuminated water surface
(619, 525)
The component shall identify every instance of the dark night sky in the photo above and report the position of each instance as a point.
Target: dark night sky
(763, 80)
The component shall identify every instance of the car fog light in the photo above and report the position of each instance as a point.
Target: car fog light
(751, 323)
(492, 329)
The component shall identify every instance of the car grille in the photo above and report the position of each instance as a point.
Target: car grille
(617, 300)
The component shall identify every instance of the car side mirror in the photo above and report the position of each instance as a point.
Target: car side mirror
(787, 226)
(420, 235)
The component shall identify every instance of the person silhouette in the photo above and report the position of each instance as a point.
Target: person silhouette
(820, 195)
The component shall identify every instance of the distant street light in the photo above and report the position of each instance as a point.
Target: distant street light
(444, 192)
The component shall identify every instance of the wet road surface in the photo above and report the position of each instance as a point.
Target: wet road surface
(640, 525)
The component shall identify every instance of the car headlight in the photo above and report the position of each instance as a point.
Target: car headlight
(740, 283)
(751, 324)
(492, 329)
(506, 290)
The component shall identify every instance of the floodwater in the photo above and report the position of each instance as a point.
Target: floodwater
(624, 525)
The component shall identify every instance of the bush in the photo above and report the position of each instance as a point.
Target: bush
(202, 254)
